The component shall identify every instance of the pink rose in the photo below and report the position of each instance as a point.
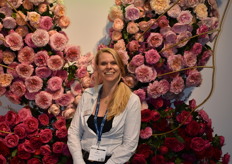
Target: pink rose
(155, 40)
(65, 99)
(9, 22)
(45, 22)
(55, 62)
(24, 113)
(20, 130)
(40, 58)
(194, 78)
(59, 123)
(177, 85)
(26, 55)
(33, 84)
(45, 150)
(68, 112)
(28, 40)
(81, 72)
(137, 60)
(175, 62)
(18, 88)
(132, 28)
(146, 133)
(190, 59)
(197, 48)
(141, 93)
(132, 13)
(43, 72)
(24, 70)
(14, 41)
(58, 41)
(152, 56)
(130, 80)
(72, 53)
(54, 83)
(145, 73)
(43, 99)
(185, 17)
(5, 128)
(158, 88)
(40, 38)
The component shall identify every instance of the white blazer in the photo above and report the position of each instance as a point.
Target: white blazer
(122, 139)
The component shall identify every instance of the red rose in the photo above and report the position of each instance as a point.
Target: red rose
(2, 118)
(145, 150)
(31, 124)
(22, 154)
(20, 130)
(62, 132)
(60, 123)
(161, 125)
(138, 159)
(146, 115)
(163, 150)
(11, 118)
(43, 119)
(4, 150)
(173, 144)
(5, 128)
(183, 115)
(157, 103)
(46, 135)
(226, 159)
(33, 161)
(11, 140)
(192, 128)
(36, 142)
(58, 147)
(27, 146)
(45, 150)
(2, 159)
(159, 159)
(50, 159)
(199, 144)
(17, 160)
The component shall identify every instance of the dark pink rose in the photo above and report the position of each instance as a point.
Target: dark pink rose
(58, 147)
(20, 130)
(199, 144)
(11, 118)
(145, 150)
(31, 124)
(24, 113)
(45, 150)
(28, 147)
(226, 159)
(193, 128)
(34, 161)
(11, 140)
(46, 135)
(138, 159)
(182, 116)
(62, 132)
(5, 128)
(43, 119)
(50, 159)
(159, 159)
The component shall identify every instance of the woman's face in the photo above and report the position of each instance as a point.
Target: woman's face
(107, 68)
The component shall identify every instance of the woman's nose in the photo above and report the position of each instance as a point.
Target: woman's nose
(108, 65)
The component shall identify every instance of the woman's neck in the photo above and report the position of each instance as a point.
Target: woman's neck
(108, 89)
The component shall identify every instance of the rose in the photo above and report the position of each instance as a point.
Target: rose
(199, 144)
(43, 119)
(132, 13)
(4, 150)
(45, 135)
(63, 22)
(193, 128)
(20, 131)
(2, 159)
(62, 132)
(49, 159)
(59, 123)
(146, 133)
(58, 147)
(159, 6)
(45, 150)
(11, 140)
(12, 118)
(138, 159)
(184, 116)
(24, 113)
(33, 161)
(31, 124)
(118, 24)
(145, 150)
(173, 144)
(158, 159)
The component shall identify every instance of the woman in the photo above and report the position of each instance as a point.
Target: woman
(106, 125)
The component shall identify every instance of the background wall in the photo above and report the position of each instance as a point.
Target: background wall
(89, 26)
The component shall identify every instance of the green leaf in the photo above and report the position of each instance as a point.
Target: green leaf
(13, 154)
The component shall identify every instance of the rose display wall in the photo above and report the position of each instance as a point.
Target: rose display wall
(164, 51)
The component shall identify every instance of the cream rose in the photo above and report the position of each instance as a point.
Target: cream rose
(159, 6)
(201, 11)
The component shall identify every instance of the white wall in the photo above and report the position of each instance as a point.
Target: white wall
(88, 26)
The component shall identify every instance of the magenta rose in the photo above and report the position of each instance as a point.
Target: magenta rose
(20, 130)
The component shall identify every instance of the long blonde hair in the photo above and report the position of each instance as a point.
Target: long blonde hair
(122, 92)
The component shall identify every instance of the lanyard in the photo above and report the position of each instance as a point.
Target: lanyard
(99, 130)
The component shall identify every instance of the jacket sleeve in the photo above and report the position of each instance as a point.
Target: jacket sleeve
(123, 153)
(75, 132)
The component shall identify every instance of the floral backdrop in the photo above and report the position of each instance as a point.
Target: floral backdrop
(164, 45)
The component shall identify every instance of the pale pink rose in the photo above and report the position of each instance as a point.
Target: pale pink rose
(179, 28)
(59, 10)
(155, 39)
(40, 38)
(58, 41)
(115, 12)
(81, 72)
(55, 62)
(18, 88)
(177, 85)
(28, 40)
(63, 22)
(65, 99)
(14, 41)
(174, 11)
(133, 45)
(40, 58)
(54, 83)
(24, 70)
(141, 93)
(76, 88)
(8, 57)
(158, 88)
(190, 59)
(183, 38)
(45, 22)
(152, 56)
(118, 24)
(5, 79)
(144, 25)
(9, 23)
(42, 8)
(33, 84)
(54, 109)
(205, 57)
(72, 53)
(146, 133)
(24, 113)
(43, 72)
(120, 45)
(26, 55)
(43, 99)
(68, 113)
(22, 30)
(132, 28)
(130, 80)
(194, 78)
(185, 17)
(85, 60)
(145, 74)
(132, 13)
(175, 62)
(30, 96)
(166, 51)
(6, 10)
(124, 56)
(116, 35)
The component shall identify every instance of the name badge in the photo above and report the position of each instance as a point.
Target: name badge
(97, 153)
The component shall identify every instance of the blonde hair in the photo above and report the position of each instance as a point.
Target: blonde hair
(122, 92)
